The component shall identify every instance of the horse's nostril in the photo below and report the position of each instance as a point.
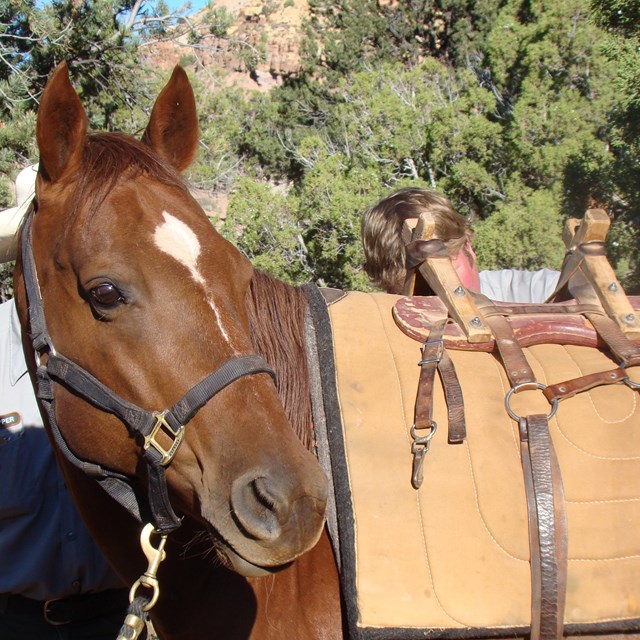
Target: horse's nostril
(258, 507)
(268, 495)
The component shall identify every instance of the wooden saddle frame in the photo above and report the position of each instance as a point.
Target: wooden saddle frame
(591, 290)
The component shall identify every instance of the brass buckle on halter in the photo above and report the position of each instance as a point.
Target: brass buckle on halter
(162, 426)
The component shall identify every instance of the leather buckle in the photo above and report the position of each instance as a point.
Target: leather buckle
(427, 348)
(46, 612)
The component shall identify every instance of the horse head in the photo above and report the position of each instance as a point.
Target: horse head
(146, 301)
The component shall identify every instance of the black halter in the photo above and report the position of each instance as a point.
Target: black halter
(146, 425)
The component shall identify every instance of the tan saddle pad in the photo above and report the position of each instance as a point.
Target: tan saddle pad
(451, 559)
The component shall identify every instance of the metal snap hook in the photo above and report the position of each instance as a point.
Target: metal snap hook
(155, 556)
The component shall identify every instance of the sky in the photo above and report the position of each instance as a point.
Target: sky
(196, 5)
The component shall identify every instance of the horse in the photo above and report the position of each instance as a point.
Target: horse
(141, 293)
(131, 303)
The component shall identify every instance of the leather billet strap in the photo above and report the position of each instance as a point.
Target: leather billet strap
(623, 349)
(569, 388)
(515, 363)
(545, 496)
(146, 425)
(435, 356)
(547, 527)
(517, 368)
(626, 351)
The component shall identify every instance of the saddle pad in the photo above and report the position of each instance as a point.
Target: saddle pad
(451, 559)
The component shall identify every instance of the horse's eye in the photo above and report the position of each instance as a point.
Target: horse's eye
(106, 294)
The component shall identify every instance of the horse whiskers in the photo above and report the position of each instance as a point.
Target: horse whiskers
(205, 544)
(198, 546)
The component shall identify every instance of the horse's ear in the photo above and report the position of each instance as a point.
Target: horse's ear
(173, 128)
(62, 126)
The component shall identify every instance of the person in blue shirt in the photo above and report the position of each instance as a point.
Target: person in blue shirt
(54, 582)
(385, 254)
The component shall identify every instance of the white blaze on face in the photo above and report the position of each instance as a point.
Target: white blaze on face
(177, 240)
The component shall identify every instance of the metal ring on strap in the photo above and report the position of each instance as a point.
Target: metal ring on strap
(527, 385)
(632, 384)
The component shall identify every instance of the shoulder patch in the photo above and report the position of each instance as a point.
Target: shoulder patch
(12, 419)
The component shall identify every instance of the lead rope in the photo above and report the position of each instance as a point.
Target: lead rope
(135, 622)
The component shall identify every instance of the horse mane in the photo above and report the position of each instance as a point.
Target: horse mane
(109, 156)
(277, 317)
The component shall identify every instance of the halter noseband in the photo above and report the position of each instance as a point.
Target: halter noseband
(146, 425)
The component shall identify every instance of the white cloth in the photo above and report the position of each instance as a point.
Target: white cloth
(515, 285)
(10, 219)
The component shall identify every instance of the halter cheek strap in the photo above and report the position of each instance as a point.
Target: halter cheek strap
(145, 425)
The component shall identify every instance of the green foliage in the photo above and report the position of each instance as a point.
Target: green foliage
(99, 40)
(351, 35)
(620, 16)
(507, 107)
(261, 224)
(91, 37)
(88, 35)
(330, 202)
(6, 270)
(521, 111)
(223, 119)
(525, 232)
(310, 234)
(218, 21)
(6, 281)
(251, 55)
(621, 21)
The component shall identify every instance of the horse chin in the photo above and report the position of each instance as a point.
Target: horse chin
(246, 568)
(234, 561)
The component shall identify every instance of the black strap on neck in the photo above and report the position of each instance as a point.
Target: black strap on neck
(141, 423)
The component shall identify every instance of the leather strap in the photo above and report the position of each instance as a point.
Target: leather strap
(516, 366)
(545, 501)
(569, 388)
(424, 427)
(457, 431)
(572, 261)
(417, 251)
(435, 356)
(534, 533)
(623, 348)
(62, 611)
(547, 528)
(518, 369)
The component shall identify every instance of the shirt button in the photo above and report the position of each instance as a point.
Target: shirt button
(71, 535)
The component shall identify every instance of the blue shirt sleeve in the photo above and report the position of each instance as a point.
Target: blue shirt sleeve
(45, 549)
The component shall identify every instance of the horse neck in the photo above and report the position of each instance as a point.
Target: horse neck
(277, 316)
